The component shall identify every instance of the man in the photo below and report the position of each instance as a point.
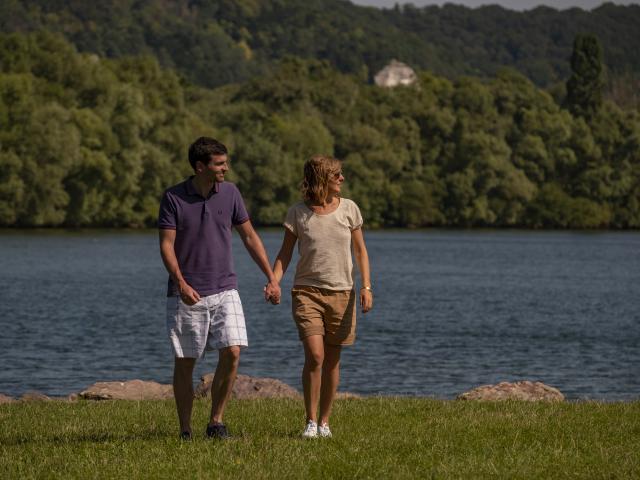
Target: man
(203, 306)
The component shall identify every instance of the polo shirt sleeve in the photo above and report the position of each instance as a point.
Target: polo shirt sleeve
(168, 216)
(290, 222)
(240, 214)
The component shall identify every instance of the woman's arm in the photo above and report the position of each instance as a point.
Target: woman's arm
(362, 259)
(254, 246)
(284, 255)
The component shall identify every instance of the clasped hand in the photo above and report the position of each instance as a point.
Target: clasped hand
(191, 297)
(272, 293)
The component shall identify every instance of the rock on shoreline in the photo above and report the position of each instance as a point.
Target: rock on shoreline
(247, 387)
(6, 399)
(525, 390)
(129, 390)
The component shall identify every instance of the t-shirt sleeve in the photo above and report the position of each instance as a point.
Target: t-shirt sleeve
(167, 217)
(290, 222)
(355, 217)
(240, 214)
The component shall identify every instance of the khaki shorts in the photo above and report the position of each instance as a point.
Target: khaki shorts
(330, 313)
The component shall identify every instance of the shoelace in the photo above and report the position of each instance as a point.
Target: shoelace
(324, 429)
(311, 427)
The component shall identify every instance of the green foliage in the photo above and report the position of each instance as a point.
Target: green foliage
(216, 42)
(584, 88)
(86, 141)
(554, 208)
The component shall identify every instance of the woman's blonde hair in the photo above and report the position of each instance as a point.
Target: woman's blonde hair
(317, 173)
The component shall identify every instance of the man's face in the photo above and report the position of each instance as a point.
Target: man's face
(216, 168)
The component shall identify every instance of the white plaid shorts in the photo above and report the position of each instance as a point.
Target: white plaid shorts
(215, 322)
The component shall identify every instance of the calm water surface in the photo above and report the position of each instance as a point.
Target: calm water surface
(453, 310)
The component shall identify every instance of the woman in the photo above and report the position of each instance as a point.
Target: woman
(326, 226)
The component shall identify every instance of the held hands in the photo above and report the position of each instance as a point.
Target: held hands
(366, 299)
(188, 295)
(272, 292)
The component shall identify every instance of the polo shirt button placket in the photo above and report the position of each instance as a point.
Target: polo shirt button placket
(205, 211)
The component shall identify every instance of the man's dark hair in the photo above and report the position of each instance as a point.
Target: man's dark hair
(202, 150)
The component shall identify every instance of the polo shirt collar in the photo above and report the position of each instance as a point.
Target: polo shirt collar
(191, 189)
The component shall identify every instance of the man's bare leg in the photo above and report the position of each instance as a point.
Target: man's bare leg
(330, 380)
(312, 373)
(223, 380)
(183, 390)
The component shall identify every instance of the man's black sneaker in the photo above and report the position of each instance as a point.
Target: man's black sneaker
(185, 436)
(218, 431)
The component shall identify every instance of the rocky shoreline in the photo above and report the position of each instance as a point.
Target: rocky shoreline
(247, 387)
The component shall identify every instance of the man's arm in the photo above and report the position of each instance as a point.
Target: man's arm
(254, 246)
(168, 253)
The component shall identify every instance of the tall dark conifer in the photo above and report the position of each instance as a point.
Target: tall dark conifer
(584, 88)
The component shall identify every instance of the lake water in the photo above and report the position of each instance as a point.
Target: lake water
(453, 310)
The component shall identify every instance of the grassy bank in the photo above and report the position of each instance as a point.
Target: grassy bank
(373, 438)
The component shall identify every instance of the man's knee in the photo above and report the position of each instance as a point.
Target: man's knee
(183, 375)
(184, 365)
(230, 355)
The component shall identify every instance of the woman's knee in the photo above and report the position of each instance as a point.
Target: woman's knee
(332, 356)
(314, 359)
(313, 351)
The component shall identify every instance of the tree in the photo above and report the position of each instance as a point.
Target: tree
(87, 141)
(584, 88)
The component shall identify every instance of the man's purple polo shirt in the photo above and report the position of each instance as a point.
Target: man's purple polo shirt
(203, 234)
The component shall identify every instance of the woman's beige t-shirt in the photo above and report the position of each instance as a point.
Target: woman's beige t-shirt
(324, 244)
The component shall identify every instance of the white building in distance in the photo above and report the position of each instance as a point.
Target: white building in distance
(394, 74)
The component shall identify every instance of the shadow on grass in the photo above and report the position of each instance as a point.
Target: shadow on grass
(108, 437)
(88, 437)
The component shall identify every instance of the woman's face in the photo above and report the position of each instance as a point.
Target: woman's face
(335, 182)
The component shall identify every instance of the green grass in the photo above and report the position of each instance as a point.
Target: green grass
(373, 438)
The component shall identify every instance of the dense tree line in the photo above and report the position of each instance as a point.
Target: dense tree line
(215, 42)
(87, 141)
(84, 141)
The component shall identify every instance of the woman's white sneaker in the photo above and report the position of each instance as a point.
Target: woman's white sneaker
(323, 431)
(311, 430)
